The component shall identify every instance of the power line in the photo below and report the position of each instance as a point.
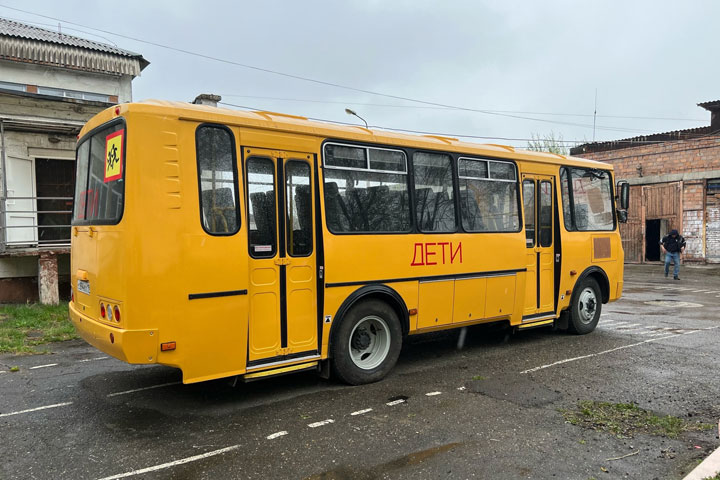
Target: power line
(321, 82)
(442, 134)
(341, 102)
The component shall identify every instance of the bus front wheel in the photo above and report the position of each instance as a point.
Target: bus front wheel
(367, 343)
(585, 307)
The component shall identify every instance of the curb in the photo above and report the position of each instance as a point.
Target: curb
(708, 468)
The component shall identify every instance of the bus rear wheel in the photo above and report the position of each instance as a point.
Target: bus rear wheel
(585, 307)
(367, 343)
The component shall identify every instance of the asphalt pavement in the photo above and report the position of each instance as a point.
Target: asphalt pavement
(489, 410)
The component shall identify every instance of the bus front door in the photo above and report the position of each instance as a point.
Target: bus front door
(538, 209)
(282, 320)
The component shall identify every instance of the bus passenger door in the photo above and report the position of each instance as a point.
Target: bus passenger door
(538, 212)
(282, 324)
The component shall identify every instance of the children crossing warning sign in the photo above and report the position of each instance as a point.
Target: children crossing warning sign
(114, 155)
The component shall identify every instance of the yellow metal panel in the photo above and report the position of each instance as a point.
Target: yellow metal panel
(436, 303)
(302, 320)
(469, 303)
(264, 325)
(500, 297)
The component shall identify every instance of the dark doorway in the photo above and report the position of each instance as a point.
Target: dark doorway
(652, 240)
(55, 181)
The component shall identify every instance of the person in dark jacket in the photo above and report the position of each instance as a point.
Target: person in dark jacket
(672, 245)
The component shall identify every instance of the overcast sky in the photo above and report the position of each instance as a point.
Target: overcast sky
(654, 59)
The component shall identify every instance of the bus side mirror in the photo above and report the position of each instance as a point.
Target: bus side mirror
(623, 188)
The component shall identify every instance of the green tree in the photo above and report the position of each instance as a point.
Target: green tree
(548, 143)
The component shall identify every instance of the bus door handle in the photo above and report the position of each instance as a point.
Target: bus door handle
(282, 261)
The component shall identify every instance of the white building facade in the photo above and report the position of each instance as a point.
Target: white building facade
(50, 85)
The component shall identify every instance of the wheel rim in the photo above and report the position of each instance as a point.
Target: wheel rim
(587, 305)
(369, 342)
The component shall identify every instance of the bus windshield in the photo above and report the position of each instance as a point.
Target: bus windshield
(100, 185)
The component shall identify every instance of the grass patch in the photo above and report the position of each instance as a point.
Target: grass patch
(627, 419)
(478, 377)
(24, 326)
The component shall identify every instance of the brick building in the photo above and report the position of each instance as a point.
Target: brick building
(675, 183)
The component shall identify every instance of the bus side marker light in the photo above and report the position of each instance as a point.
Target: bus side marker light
(112, 338)
(117, 110)
(166, 347)
(573, 273)
(412, 311)
(568, 292)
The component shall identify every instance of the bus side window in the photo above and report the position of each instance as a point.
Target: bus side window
(218, 184)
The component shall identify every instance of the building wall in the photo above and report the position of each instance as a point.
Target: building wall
(686, 165)
(41, 75)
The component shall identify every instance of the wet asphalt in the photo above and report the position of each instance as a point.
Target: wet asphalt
(492, 412)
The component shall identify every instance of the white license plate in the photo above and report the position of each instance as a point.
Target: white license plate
(84, 287)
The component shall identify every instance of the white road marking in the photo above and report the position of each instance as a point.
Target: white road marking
(275, 435)
(432, 394)
(36, 409)
(361, 412)
(560, 362)
(92, 359)
(395, 402)
(321, 423)
(43, 366)
(172, 464)
(630, 325)
(141, 389)
(461, 388)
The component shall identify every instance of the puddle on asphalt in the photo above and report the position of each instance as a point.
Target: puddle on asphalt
(673, 303)
(380, 471)
(519, 390)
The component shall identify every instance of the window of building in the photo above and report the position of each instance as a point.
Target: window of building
(219, 210)
(61, 92)
(366, 189)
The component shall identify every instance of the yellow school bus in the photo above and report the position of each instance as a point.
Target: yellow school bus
(250, 244)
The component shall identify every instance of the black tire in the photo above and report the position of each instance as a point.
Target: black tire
(585, 307)
(376, 348)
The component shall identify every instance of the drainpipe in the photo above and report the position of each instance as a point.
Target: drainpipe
(3, 197)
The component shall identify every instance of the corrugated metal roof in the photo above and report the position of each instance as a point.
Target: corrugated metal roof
(687, 134)
(712, 105)
(675, 135)
(11, 28)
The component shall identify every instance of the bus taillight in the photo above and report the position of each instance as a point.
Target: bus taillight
(102, 310)
(116, 310)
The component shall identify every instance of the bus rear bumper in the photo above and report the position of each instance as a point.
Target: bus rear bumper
(131, 346)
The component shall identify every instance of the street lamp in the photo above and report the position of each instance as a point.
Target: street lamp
(350, 112)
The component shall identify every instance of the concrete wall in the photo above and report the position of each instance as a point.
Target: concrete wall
(41, 75)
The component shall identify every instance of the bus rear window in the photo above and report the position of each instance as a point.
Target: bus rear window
(100, 184)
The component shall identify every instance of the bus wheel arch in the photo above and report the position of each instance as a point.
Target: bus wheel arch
(586, 302)
(599, 275)
(366, 335)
